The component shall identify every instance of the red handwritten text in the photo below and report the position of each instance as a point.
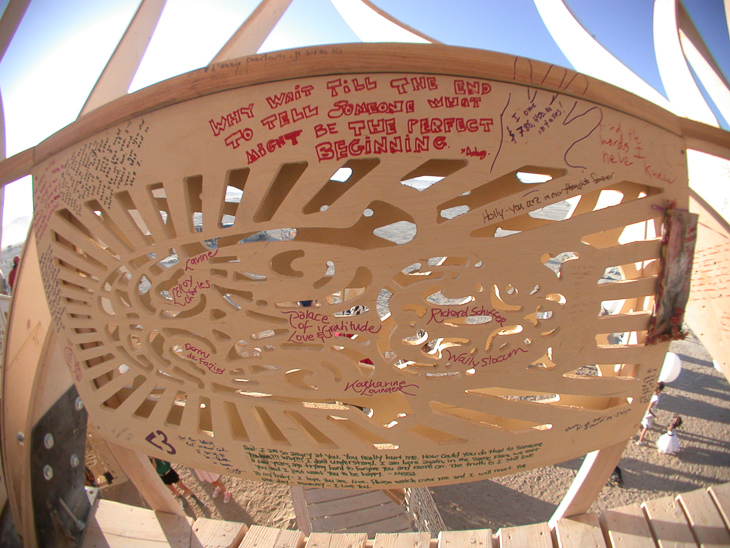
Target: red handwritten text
(371, 388)
(231, 119)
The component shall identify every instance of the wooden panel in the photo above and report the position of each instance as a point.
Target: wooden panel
(337, 540)
(402, 540)
(704, 518)
(709, 301)
(457, 539)
(584, 531)
(721, 495)
(391, 524)
(411, 343)
(537, 535)
(304, 524)
(269, 537)
(668, 523)
(367, 499)
(627, 527)
(361, 517)
(119, 525)
(319, 496)
(211, 533)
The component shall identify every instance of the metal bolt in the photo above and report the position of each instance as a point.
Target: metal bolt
(20, 437)
(48, 441)
(48, 472)
(74, 460)
(79, 404)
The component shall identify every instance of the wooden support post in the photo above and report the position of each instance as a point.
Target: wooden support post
(595, 470)
(140, 470)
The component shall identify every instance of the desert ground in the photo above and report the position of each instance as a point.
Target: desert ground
(701, 395)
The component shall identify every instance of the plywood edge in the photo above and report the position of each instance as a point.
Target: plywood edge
(282, 65)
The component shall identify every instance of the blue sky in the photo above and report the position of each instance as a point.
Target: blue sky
(62, 46)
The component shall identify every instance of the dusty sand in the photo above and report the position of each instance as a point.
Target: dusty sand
(701, 395)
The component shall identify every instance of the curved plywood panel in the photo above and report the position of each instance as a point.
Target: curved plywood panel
(363, 278)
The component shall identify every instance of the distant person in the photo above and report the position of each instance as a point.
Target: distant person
(214, 480)
(648, 419)
(169, 477)
(13, 273)
(668, 443)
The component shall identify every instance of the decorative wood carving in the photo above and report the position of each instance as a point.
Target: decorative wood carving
(367, 278)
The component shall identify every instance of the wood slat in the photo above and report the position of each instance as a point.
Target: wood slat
(536, 535)
(270, 537)
(120, 525)
(704, 518)
(668, 523)
(402, 540)
(582, 531)
(212, 533)
(473, 538)
(627, 527)
(337, 540)
(326, 495)
(721, 495)
(396, 524)
(361, 501)
(356, 518)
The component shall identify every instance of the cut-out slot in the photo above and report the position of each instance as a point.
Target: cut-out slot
(431, 172)
(235, 183)
(339, 184)
(486, 419)
(308, 428)
(494, 190)
(438, 437)
(194, 201)
(269, 426)
(205, 417)
(174, 416)
(237, 429)
(279, 189)
(400, 232)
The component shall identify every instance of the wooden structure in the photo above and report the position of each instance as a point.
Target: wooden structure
(352, 266)
(693, 519)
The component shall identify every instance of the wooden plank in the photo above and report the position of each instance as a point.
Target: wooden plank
(591, 477)
(395, 524)
(367, 499)
(361, 516)
(536, 535)
(119, 71)
(721, 495)
(325, 495)
(582, 531)
(253, 32)
(337, 540)
(142, 473)
(304, 524)
(120, 525)
(668, 523)
(627, 527)
(704, 518)
(213, 533)
(473, 537)
(270, 537)
(402, 540)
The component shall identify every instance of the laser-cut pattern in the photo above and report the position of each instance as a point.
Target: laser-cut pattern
(367, 280)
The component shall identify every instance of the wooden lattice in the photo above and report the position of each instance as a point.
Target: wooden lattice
(361, 278)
